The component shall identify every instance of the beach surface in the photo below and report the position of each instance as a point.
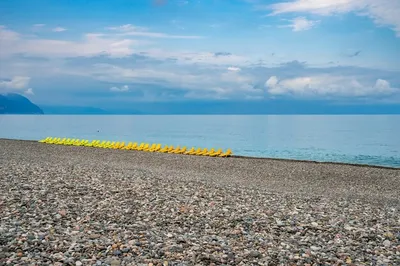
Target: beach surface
(66, 205)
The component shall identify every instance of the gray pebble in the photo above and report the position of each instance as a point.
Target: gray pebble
(386, 243)
(115, 263)
(143, 208)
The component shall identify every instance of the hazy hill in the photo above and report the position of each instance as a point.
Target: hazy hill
(13, 103)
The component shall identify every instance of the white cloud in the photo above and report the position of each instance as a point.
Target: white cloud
(131, 30)
(326, 85)
(127, 27)
(271, 82)
(204, 58)
(301, 24)
(39, 25)
(59, 29)
(382, 12)
(7, 35)
(382, 86)
(29, 91)
(92, 44)
(159, 35)
(124, 88)
(194, 80)
(234, 69)
(17, 82)
(115, 45)
(196, 74)
(213, 93)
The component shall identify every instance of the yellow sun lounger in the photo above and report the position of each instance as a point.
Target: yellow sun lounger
(195, 152)
(150, 148)
(140, 147)
(209, 152)
(181, 151)
(190, 151)
(44, 140)
(174, 150)
(170, 148)
(226, 154)
(111, 145)
(115, 145)
(165, 149)
(106, 145)
(101, 144)
(156, 148)
(90, 144)
(97, 144)
(134, 146)
(218, 152)
(127, 147)
(204, 151)
(145, 146)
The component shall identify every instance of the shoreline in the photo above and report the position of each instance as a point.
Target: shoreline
(368, 183)
(318, 162)
(277, 159)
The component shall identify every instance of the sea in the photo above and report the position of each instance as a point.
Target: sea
(359, 139)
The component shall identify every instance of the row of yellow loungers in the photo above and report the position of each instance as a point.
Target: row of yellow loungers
(138, 147)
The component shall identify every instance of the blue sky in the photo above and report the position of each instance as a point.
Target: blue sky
(113, 53)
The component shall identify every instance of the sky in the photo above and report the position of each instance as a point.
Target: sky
(120, 52)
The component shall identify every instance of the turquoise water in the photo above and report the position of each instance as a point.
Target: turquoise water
(360, 139)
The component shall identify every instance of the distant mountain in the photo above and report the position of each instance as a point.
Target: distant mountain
(82, 110)
(18, 104)
(262, 107)
(72, 110)
(13, 103)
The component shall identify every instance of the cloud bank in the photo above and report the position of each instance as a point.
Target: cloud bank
(326, 85)
(382, 12)
(17, 84)
(125, 60)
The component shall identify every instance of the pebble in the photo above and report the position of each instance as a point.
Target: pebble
(71, 206)
(386, 243)
(176, 248)
(314, 224)
(115, 263)
(94, 236)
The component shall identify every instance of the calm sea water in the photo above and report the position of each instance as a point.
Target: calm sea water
(371, 140)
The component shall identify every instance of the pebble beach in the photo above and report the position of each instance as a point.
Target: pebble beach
(67, 205)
